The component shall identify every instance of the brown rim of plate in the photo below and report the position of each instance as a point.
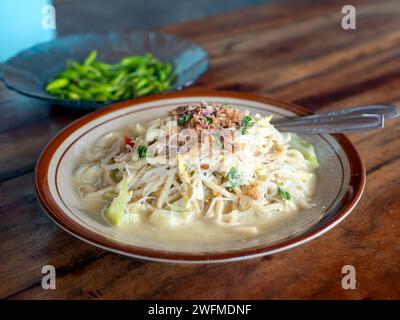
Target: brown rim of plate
(356, 185)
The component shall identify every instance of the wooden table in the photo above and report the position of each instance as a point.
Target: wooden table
(293, 50)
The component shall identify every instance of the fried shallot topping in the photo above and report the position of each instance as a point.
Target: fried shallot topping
(201, 116)
(250, 191)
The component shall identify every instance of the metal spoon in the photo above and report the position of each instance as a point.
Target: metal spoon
(344, 120)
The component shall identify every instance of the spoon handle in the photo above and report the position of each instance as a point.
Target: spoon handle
(348, 123)
(387, 111)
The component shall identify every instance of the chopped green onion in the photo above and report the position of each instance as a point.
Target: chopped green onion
(247, 122)
(284, 195)
(183, 120)
(142, 150)
(232, 179)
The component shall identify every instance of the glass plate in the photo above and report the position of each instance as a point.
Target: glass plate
(29, 71)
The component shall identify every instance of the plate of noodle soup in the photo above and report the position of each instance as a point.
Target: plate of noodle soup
(196, 177)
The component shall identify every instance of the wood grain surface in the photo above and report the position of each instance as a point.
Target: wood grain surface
(293, 50)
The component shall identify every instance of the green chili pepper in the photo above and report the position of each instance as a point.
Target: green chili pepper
(92, 56)
(96, 80)
(57, 84)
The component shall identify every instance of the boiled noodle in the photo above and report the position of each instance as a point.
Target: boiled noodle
(203, 163)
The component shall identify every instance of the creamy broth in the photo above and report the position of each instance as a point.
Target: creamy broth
(286, 184)
(198, 231)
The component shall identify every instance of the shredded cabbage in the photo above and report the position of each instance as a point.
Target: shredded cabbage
(116, 211)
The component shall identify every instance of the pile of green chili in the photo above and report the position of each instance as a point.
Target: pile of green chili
(99, 81)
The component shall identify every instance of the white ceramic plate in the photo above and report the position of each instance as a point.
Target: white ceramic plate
(341, 180)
